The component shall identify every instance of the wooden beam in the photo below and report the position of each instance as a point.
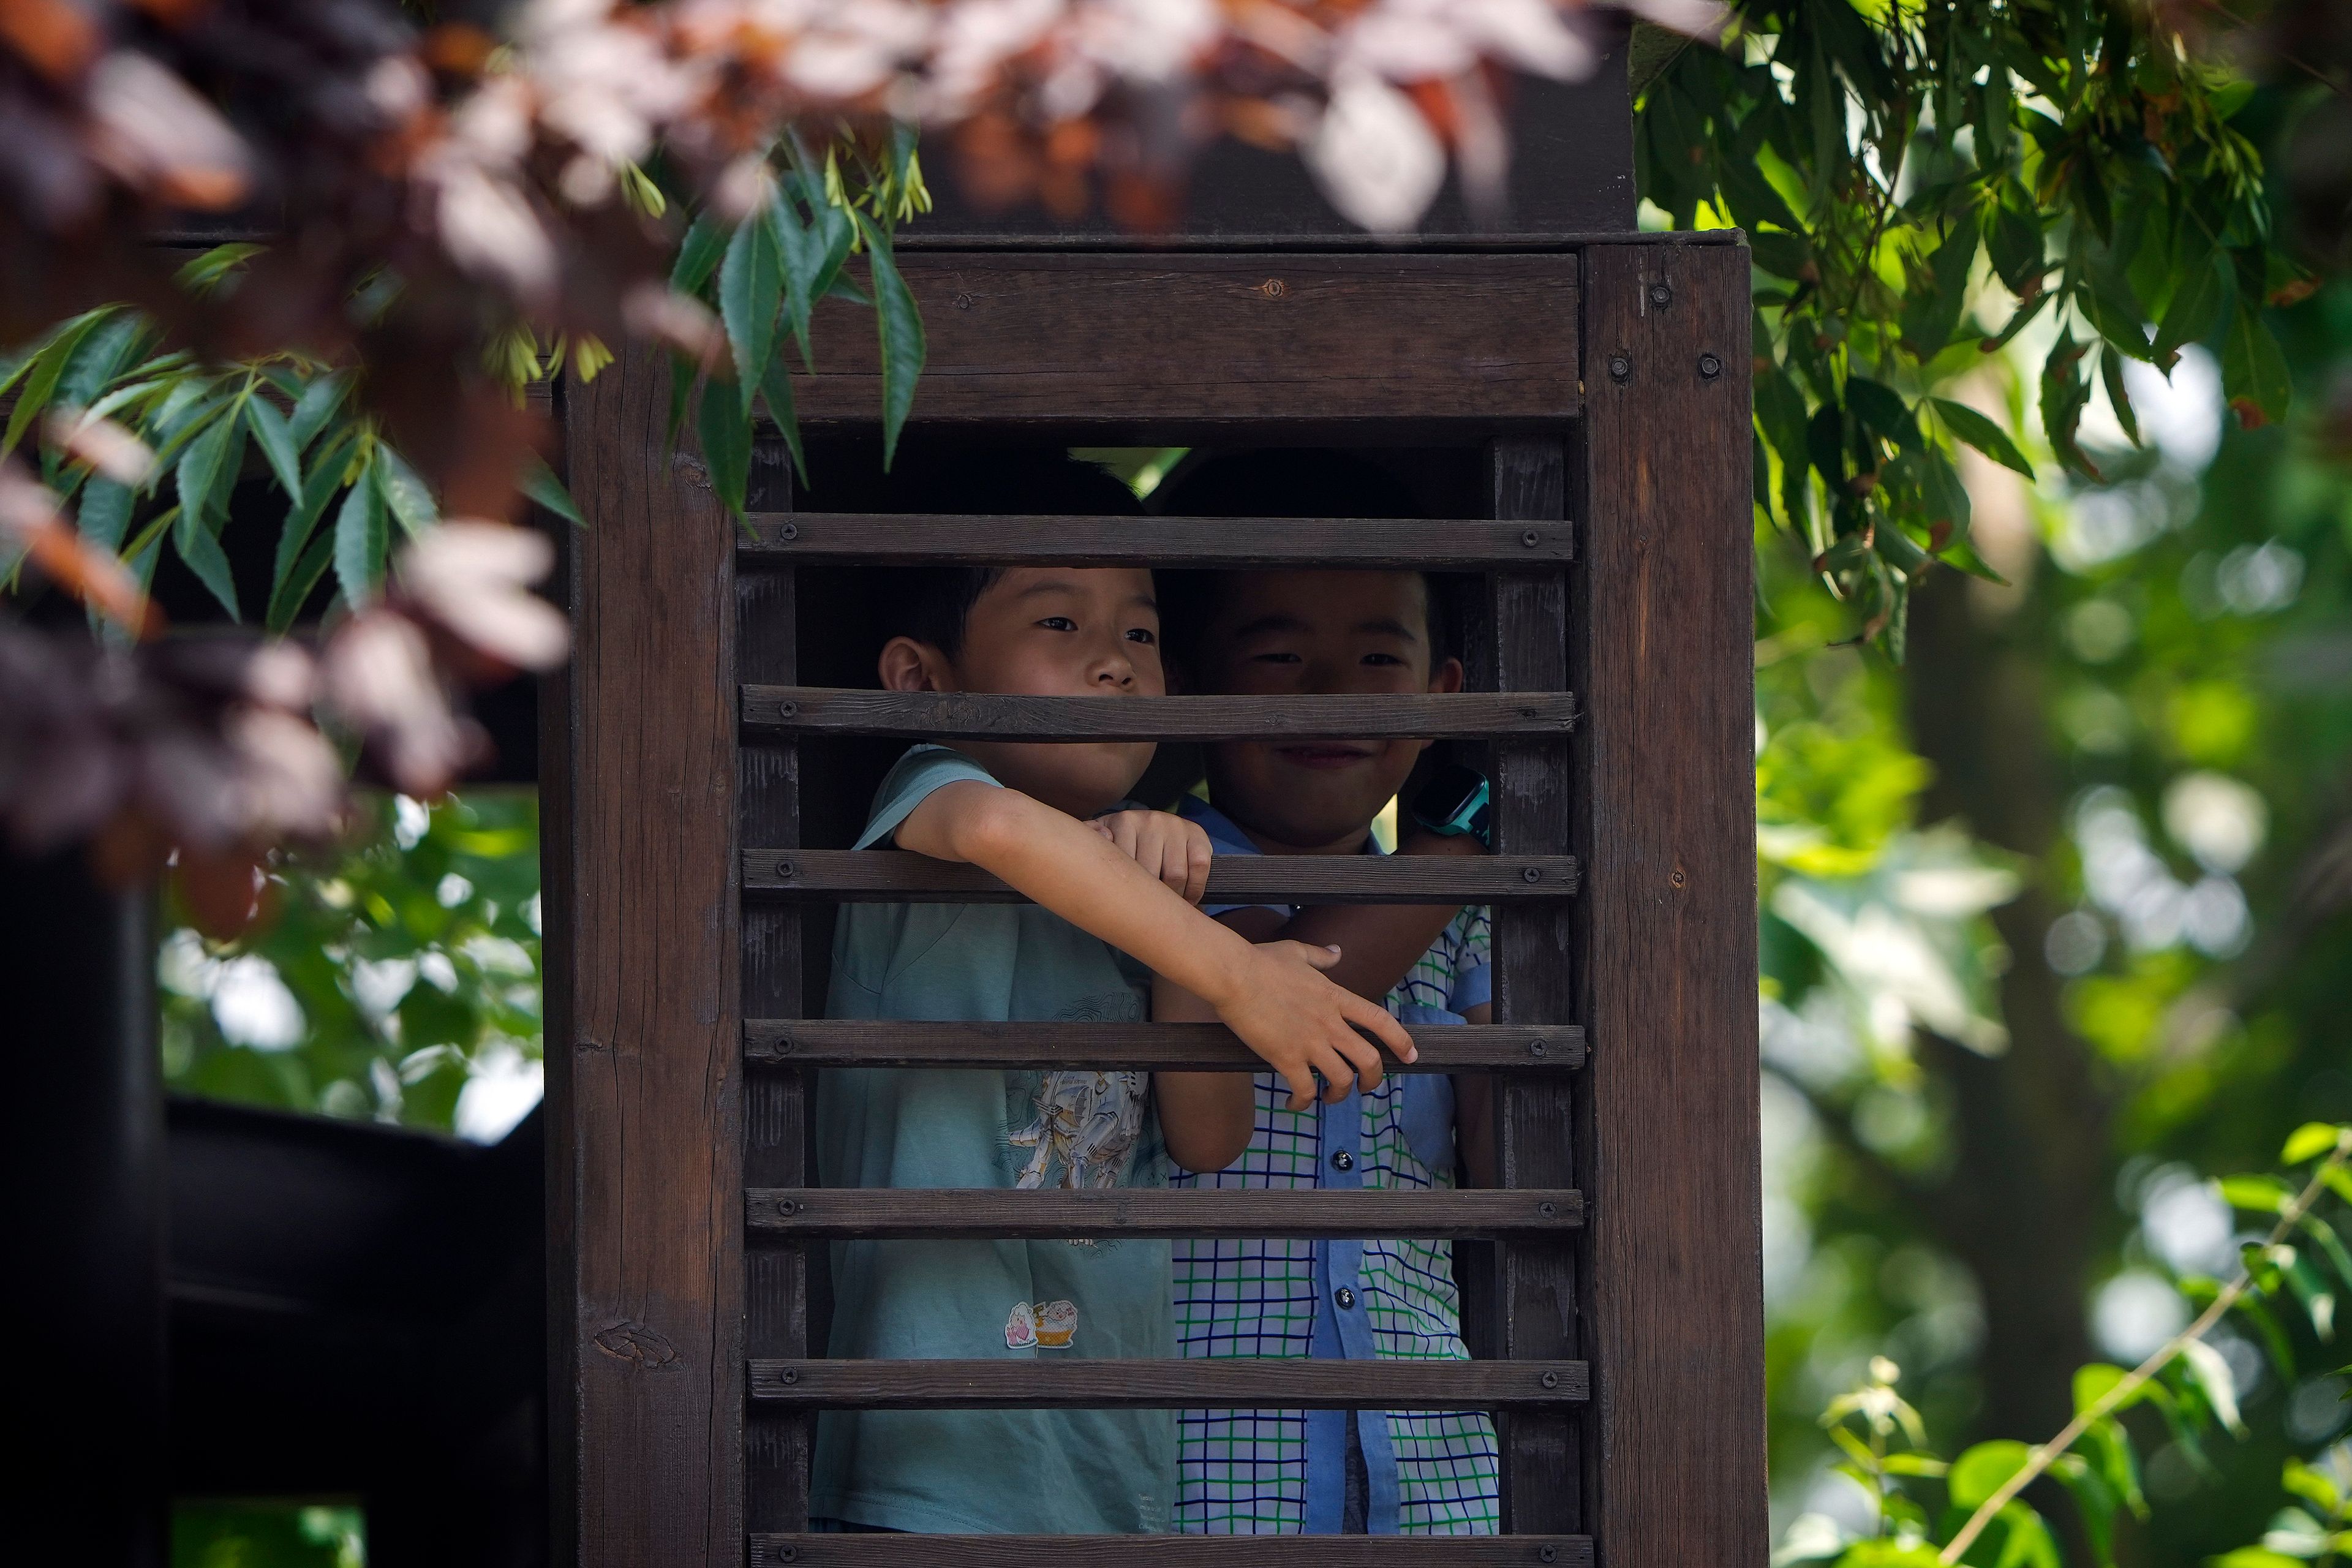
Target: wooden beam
(971, 716)
(1051, 1380)
(897, 876)
(934, 539)
(1676, 1288)
(644, 1026)
(1534, 968)
(1159, 1047)
(895, 1551)
(1082, 338)
(879, 1214)
(776, 1443)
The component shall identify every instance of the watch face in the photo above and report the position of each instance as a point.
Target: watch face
(1452, 791)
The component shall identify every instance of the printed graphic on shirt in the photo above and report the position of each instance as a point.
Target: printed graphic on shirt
(1085, 1128)
(1049, 1325)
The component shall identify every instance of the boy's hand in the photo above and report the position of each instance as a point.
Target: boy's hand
(1284, 1010)
(1167, 846)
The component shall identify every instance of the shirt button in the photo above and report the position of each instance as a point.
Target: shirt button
(1343, 1161)
(1343, 1297)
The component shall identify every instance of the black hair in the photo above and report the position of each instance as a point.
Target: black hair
(1277, 482)
(931, 604)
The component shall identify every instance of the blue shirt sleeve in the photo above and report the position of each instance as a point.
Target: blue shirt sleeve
(1224, 838)
(910, 783)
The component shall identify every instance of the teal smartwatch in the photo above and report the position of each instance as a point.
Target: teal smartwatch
(1453, 802)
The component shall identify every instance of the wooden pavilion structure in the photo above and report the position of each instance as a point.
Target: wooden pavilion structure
(1576, 394)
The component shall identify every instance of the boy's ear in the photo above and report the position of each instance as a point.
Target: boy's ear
(1446, 677)
(907, 665)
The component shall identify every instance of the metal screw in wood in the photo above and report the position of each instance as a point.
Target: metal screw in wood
(786, 710)
(1530, 539)
(1621, 368)
(1547, 1554)
(1709, 367)
(1531, 874)
(1550, 1379)
(1546, 1210)
(791, 1377)
(788, 531)
(1535, 1047)
(1661, 296)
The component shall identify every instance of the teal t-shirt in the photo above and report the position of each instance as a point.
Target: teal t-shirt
(1068, 1472)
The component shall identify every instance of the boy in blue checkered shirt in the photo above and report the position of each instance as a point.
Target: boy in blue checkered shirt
(1338, 1471)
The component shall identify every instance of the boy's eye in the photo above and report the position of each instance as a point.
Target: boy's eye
(1276, 655)
(1382, 659)
(1058, 623)
(1144, 635)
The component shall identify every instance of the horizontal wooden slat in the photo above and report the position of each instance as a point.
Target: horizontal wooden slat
(895, 1551)
(1080, 339)
(974, 716)
(1053, 1380)
(1161, 1048)
(931, 540)
(874, 1214)
(896, 875)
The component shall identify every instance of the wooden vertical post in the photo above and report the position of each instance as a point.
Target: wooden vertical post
(1532, 804)
(1665, 662)
(645, 1130)
(775, 1146)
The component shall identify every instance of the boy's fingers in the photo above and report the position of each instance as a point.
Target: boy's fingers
(1362, 1059)
(1197, 856)
(1386, 1029)
(1302, 1089)
(1318, 957)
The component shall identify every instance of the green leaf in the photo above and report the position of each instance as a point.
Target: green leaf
(98, 359)
(539, 482)
(2094, 1381)
(2254, 1557)
(901, 329)
(206, 272)
(2264, 1194)
(2309, 1141)
(105, 514)
(2111, 372)
(2097, 1503)
(2314, 1487)
(750, 287)
(204, 557)
(410, 500)
(360, 540)
(814, 253)
(277, 443)
(776, 387)
(726, 430)
(1981, 1470)
(1982, 434)
(315, 407)
(48, 364)
(325, 478)
(2213, 1379)
(2330, 1244)
(705, 243)
(2197, 302)
(1882, 410)
(208, 468)
(1932, 315)
(293, 590)
(2253, 372)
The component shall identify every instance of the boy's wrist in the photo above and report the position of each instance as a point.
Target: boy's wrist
(1421, 840)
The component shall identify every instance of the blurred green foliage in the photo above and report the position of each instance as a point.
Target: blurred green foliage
(267, 1533)
(384, 976)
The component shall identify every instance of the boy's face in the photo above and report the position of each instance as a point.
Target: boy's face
(1041, 631)
(1314, 632)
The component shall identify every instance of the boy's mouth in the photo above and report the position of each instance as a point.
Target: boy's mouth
(1325, 754)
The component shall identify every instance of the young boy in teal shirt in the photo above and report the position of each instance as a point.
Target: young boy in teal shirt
(1103, 882)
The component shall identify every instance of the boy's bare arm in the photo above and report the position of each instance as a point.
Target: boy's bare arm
(1271, 994)
(1377, 943)
(1205, 1117)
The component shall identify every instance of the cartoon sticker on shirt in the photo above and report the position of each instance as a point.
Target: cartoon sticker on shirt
(1086, 1127)
(1049, 1325)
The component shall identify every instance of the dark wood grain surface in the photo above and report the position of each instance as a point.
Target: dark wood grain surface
(896, 875)
(1055, 1378)
(893, 1213)
(1535, 964)
(974, 716)
(1675, 1287)
(1171, 1551)
(932, 539)
(776, 1279)
(1081, 338)
(644, 1054)
(1167, 1047)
